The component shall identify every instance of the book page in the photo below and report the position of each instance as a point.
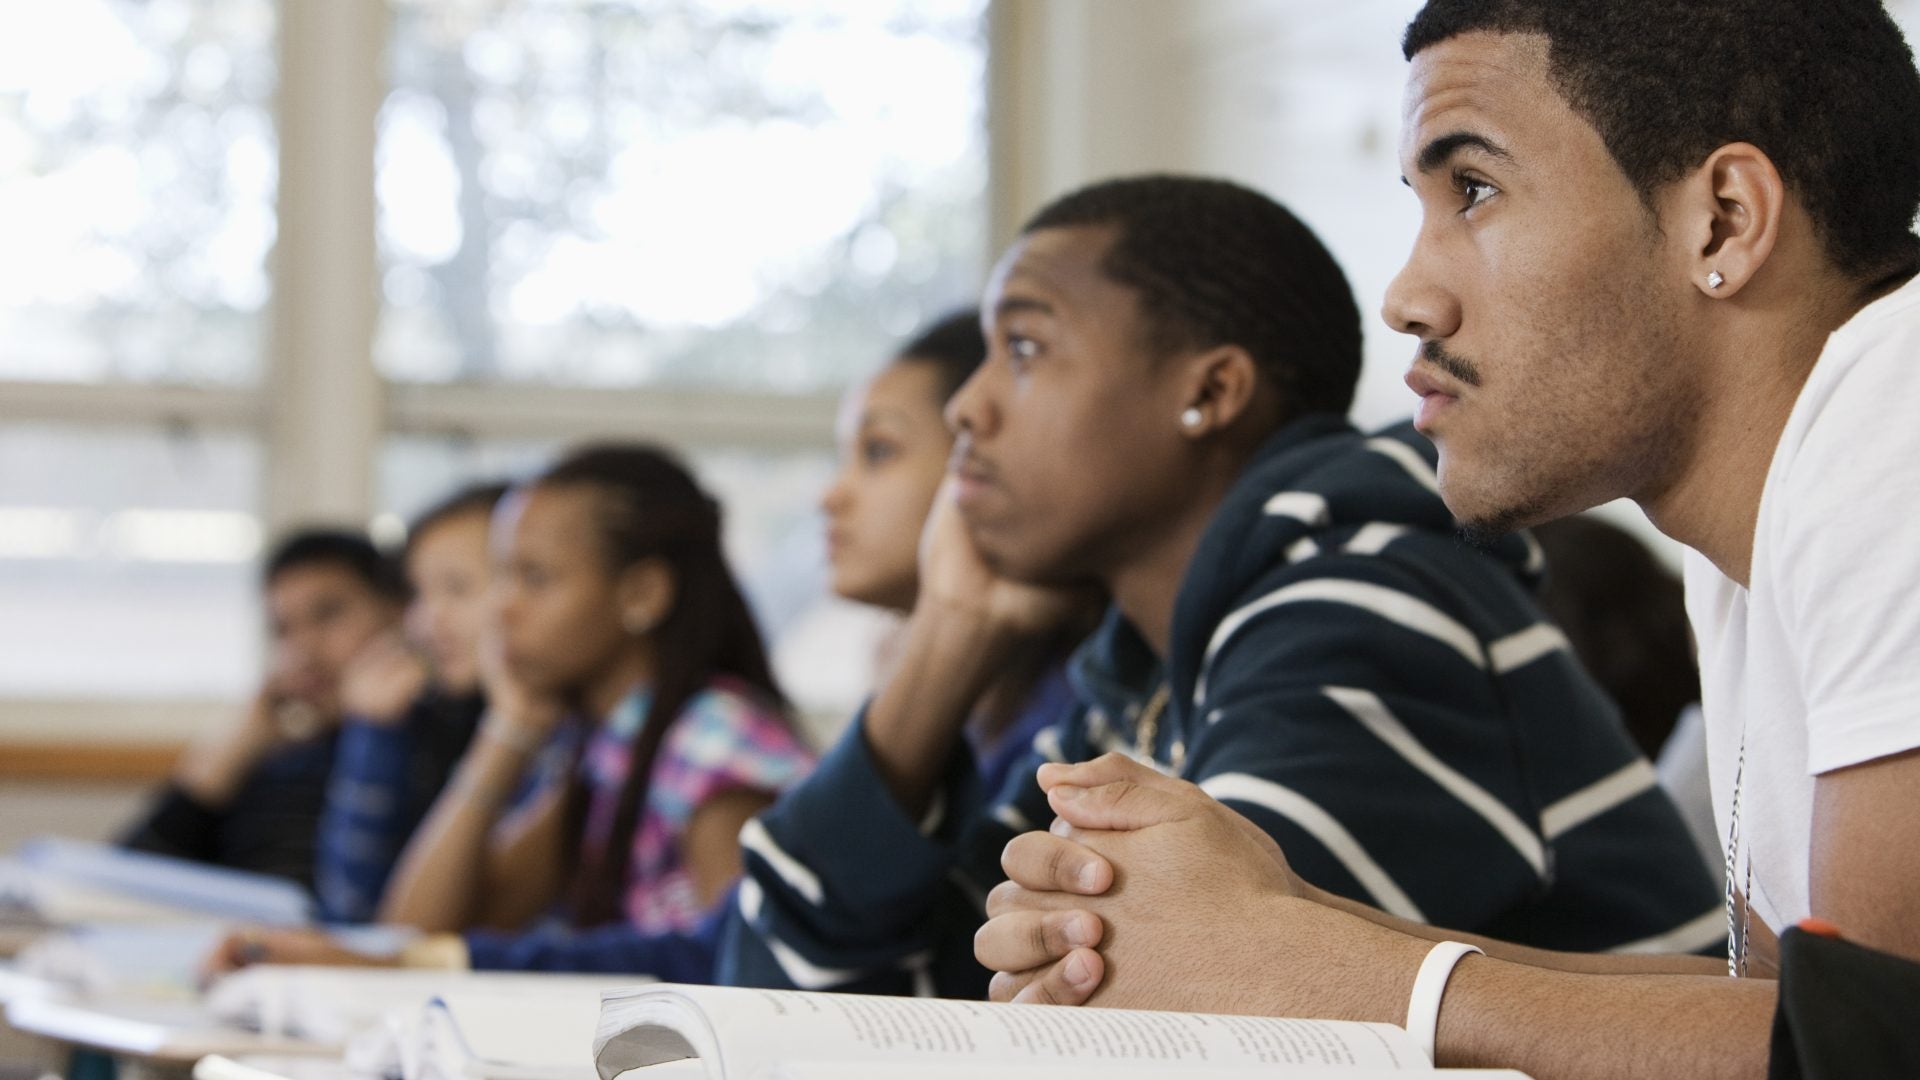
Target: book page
(1117, 1070)
(743, 1033)
(528, 1034)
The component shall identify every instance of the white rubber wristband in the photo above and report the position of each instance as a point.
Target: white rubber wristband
(1423, 1008)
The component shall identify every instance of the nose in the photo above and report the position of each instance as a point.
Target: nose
(422, 620)
(503, 600)
(834, 500)
(971, 410)
(1418, 303)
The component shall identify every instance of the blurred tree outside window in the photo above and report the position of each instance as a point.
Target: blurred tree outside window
(701, 193)
(137, 174)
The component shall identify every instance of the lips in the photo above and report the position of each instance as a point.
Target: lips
(1437, 394)
(973, 478)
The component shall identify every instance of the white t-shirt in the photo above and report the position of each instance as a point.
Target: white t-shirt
(1817, 665)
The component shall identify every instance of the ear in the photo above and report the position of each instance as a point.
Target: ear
(1730, 210)
(1219, 388)
(645, 594)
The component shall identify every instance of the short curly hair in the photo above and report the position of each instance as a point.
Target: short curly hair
(349, 550)
(1828, 90)
(1216, 264)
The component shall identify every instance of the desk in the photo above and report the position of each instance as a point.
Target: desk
(148, 1037)
(165, 1034)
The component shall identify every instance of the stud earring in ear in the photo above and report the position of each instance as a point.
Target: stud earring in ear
(1714, 280)
(1192, 418)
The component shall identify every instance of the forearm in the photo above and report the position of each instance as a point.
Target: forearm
(843, 888)
(1547, 959)
(1496, 1013)
(914, 724)
(1556, 1025)
(438, 884)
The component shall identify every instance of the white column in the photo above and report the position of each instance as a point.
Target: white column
(1083, 90)
(324, 405)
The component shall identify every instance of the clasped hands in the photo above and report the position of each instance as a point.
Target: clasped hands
(1149, 893)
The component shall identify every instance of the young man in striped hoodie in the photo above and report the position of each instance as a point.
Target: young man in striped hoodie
(1295, 627)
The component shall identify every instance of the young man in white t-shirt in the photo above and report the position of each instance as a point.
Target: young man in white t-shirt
(1666, 254)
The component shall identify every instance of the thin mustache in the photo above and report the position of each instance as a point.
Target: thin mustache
(963, 457)
(1458, 367)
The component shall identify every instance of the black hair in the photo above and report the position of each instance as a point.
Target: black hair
(1626, 617)
(1215, 263)
(652, 508)
(954, 346)
(351, 551)
(478, 498)
(1827, 90)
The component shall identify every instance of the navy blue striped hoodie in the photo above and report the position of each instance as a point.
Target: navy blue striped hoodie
(1385, 700)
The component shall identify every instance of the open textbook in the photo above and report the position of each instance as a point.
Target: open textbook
(740, 1034)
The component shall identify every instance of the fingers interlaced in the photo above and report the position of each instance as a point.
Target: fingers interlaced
(1044, 862)
(1022, 940)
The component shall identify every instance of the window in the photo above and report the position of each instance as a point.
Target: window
(724, 194)
(137, 173)
(137, 169)
(127, 571)
(543, 272)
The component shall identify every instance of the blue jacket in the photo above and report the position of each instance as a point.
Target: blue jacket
(1382, 698)
(385, 777)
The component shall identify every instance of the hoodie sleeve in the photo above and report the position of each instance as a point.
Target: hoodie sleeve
(1348, 708)
(363, 824)
(844, 891)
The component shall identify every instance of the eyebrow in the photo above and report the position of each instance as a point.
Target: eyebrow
(1441, 150)
(1013, 305)
(875, 416)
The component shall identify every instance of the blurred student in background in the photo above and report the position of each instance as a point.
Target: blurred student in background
(633, 726)
(249, 797)
(412, 702)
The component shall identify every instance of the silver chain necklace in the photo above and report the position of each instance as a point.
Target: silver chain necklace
(1739, 916)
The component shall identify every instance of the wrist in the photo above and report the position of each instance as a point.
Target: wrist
(966, 621)
(1344, 965)
(1429, 990)
(507, 735)
(959, 641)
(378, 715)
(492, 770)
(912, 725)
